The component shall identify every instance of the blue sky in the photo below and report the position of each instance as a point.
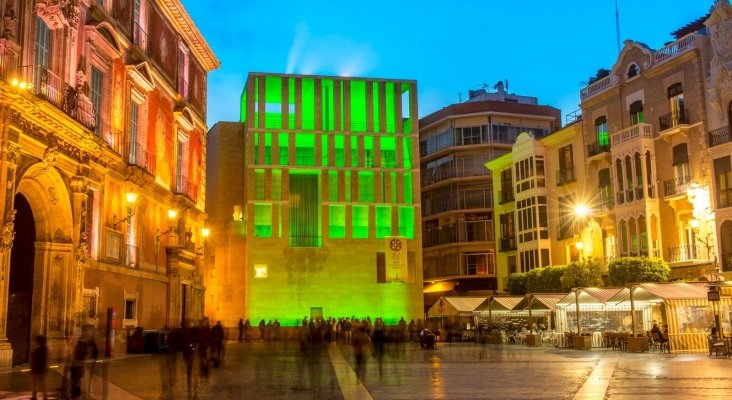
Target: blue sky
(546, 49)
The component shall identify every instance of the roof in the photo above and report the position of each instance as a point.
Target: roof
(540, 301)
(454, 306)
(499, 303)
(691, 27)
(179, 16)
(475, 107)
(658, 292)
(589, 296)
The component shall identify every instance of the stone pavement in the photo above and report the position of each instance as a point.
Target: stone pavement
(453, 371)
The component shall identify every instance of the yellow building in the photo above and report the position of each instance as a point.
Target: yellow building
(543, 216)
(103, 109)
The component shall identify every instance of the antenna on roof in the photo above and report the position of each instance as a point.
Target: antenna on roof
(460, 97)
(617, 25)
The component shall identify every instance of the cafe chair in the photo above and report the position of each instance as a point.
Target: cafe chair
(716, 347)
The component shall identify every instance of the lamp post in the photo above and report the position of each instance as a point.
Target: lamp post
(172, 227)
(715, 278)
(205, 232)
(131, 198)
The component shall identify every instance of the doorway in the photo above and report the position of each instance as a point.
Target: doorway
(20, 294)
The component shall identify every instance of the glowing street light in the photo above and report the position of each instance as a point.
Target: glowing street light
(581, 210)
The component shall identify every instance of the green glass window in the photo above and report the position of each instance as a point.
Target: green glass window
(366, 187)
(407, 151)
(360, 222)
(324, 150)
(339, 150)
(337, 221)
(375, 106)
(406, 108)
(308, 103)
(408, 196)
(327, 107)
(332, 185)
(358, 106)
(354, 151)
(305, 149)
(256, 102)
(383, 221)
(406, 222)
(388, 152)
(368, 152)
(390, 108)
(393, 186)
(273, 102)
(276, 184)
(256, 147)
(262, 220)
(267, 148)
(284, 146)
(258, 184)
(291, 103)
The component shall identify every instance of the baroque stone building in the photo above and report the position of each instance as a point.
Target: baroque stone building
(314, 202)
(102, 132)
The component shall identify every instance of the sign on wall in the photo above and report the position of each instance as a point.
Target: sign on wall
(396, 259)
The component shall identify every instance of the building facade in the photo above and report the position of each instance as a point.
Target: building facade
(651, 153)
(538, 224)
(457, 192)
(103, 108)
(314, 202)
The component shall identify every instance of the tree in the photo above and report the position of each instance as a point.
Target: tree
(585, 273)
(545, 280)
(516, 283)
(626, 270)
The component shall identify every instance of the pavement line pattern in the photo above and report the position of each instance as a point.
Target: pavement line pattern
(595, 386)
(351, 387)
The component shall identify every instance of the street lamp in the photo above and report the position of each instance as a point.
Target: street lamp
(131, 198)
(204, 233)
(581, 210)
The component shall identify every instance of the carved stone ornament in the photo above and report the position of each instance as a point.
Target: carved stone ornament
(8, 234)
(49, 160)
(58, 13)
(10, 22)
(13, 152)
(720, 32)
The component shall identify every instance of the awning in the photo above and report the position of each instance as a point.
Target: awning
(499, 303)
(659, 292)
(540, 301)
(591, 295)
(455, 306)
(444, 286)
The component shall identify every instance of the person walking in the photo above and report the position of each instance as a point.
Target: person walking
(241, 329)
(39, 367)
(361, 343)
(247, 326)
(217, 352)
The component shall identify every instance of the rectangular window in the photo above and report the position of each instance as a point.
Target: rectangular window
(368, 152)
(408, 199)
(358, 106)
(183, 71)
(406, 222)
(354, 151)
(258, 184)
(393, 188)
(304, 210)
(97, 96)
(388, 152)
(267, 148)
(347, 188)
(337, 221)
(324, 150)
(130, 310)
(284, 146)
(383, 221)
(407, 150)
(366, 187)
(276, 184)
(360, 217)
(333, 186)
(339, 151)
(723, 173)
(263, 220)
(305, 149)
(380, 267)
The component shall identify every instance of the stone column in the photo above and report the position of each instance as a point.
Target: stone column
(79, 202)
(9, 156)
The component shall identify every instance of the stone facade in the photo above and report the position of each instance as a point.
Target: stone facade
(92, 108)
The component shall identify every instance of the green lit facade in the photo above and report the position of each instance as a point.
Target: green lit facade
(330, 176)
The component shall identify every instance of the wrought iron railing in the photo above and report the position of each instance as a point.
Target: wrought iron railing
(596, 87)
(566, 175)
(138, 155)
(458, 232)
(48, 86)
(508, 243)
(676, 186)
(673, 119)
(506, 196)
(596, 148)
(719, 136)
(141, 38)
(185, 187)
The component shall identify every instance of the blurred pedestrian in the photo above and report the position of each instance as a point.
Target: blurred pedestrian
(241, 329)
(217, 353)
(361, 344)
(39, 367)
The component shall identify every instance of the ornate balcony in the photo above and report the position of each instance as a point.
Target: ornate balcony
(48, 86)
(676, 187)
(596, 148)
(566, 175)
(186, 188)
(596, 88)
(637, 131)
(674, 119)
(673, 50)
(682, 253)
(138, 156)
(719, 136)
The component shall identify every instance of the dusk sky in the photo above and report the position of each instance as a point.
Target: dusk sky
(546, 49)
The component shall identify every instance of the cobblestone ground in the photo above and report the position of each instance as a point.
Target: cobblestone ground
(453, 371)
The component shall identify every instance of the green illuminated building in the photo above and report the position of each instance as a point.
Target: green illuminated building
(307, 191)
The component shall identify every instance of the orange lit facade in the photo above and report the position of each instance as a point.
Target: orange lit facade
(102, 133)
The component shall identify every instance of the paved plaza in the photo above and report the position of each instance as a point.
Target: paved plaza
(453, 371)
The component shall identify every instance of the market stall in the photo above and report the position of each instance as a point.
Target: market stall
(585, 311)
(453, 316)
(496, 315)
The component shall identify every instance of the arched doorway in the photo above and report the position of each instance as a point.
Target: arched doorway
(20, 284)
